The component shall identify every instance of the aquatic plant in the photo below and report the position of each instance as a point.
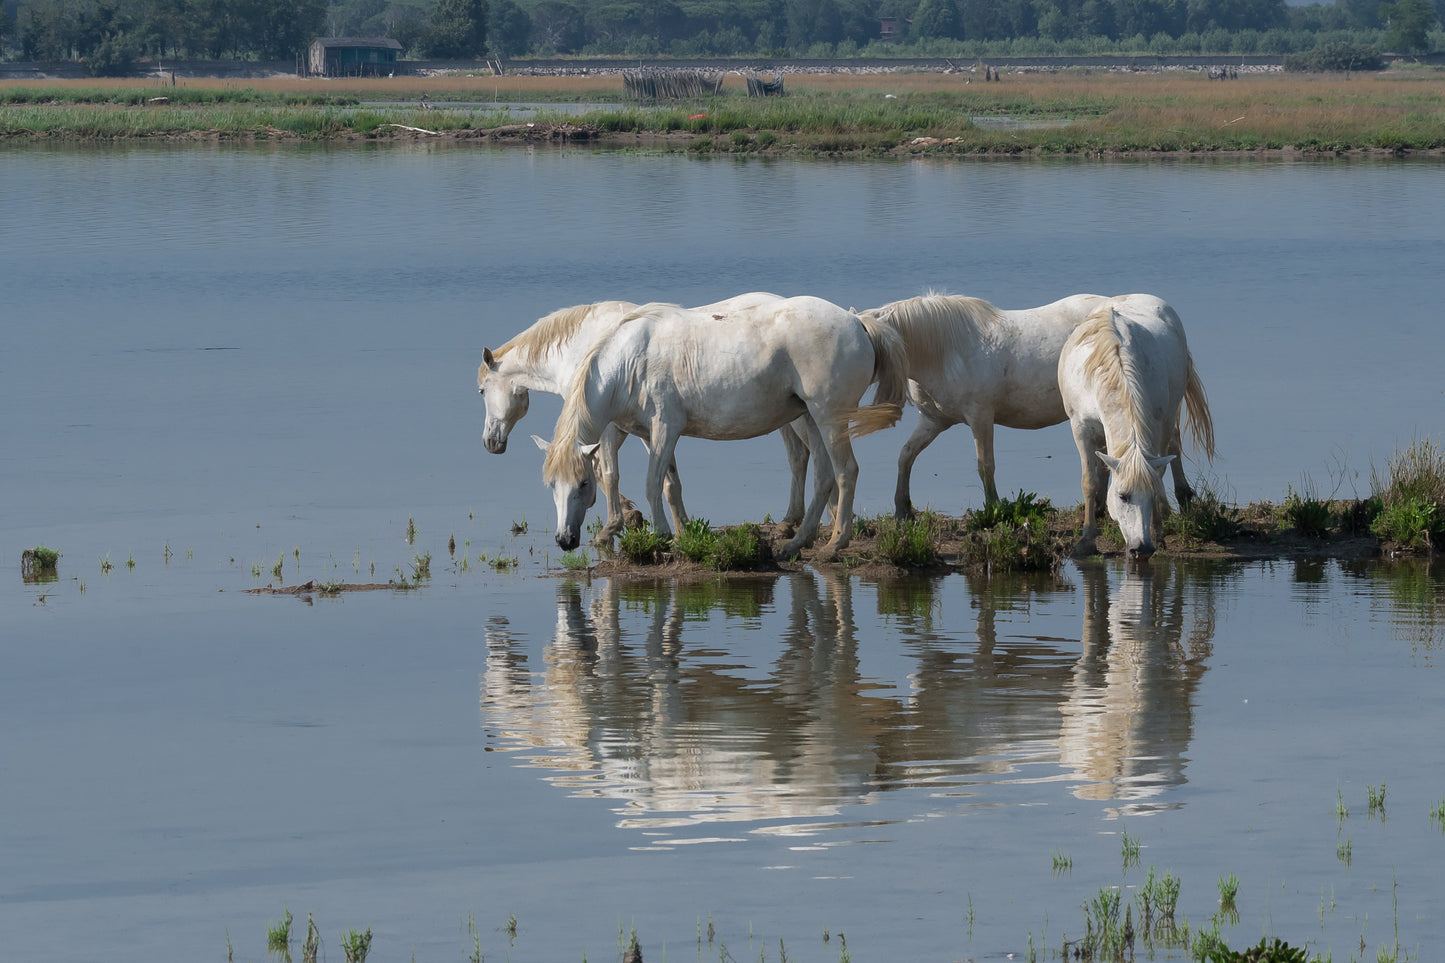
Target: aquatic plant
(1412, 497)
(39, 563)
(1206, 517)
(644, 545)
(1376, 800)
(575, 561)
(908, 542)
(1307, 514)
(696, 540)
(278, 938)
(356, 944)
(740, 547)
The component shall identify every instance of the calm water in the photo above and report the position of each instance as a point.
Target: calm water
(220, 361)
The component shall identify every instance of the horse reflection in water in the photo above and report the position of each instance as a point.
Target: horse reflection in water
(776, 725)
(685, 739)
(1129, 713)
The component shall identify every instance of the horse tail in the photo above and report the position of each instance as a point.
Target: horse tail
(870, 418)
(890, 364)
(1201, 424)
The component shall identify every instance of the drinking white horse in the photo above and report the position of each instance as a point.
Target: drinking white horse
(544, 358)
(974, 364)
(1123, 374)
(665, 371)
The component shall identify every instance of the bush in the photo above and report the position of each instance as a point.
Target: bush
(1205, 518)
(1412, 513)
(740, 548)
(697, 541)
(1307, 514)
(1016, 511)
(909, 542)
(1334, 56)
(645, 545)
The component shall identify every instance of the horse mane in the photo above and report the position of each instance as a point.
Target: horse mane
(563, 462)
(934, 325)
(548, 333)
(1113, 373)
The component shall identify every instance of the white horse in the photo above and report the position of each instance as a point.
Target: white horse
(545, 357)
(978, 365)
(1123, 375)
(664, 372)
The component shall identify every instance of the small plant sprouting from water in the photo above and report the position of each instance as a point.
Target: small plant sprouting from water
(410, 530)
(278, 938)
(1376, 800)
(1106, 934)
(1129, 850)
(510, 928)
(1437, 814)
(1157, 899)
(280, 564)
(421, 567)
(1228, 890)
(1342, 811)
(312, 946)
(1345, 851)
(130, 561)
(470, 922)
(1062, 863)
(356, 944)
(575, 561)
(166, 553)
(105, 565)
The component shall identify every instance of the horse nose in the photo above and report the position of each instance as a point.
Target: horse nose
(567, 539)
(494, 445)
(1141, 552)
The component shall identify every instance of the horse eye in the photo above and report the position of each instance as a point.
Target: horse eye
(1124, 497)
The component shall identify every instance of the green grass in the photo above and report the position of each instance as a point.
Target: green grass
(1012, 535)
(278, 938)
(1412, 498)
(909, 543)
(1206, 518)
(644, 546)
(575, 561)
(1307, 514)
(356, 945)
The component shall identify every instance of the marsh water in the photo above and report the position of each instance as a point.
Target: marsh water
(225, 368)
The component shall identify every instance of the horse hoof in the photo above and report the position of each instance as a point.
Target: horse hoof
(787, 528)
(1086, 546)
(632, 518)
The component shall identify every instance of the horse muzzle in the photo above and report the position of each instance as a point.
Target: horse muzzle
(1141, 553)
(495, 444)
(568, 539)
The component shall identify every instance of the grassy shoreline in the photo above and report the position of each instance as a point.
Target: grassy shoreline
(1074, 114)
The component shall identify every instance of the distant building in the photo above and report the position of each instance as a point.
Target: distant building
(353, 56)
(888, 28)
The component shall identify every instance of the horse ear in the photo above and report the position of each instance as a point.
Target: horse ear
(542, 443)
(1112, 463)
(587, 451)
(488, 360)
(1160, 464)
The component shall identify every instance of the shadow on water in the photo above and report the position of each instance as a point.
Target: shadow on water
(746, 701)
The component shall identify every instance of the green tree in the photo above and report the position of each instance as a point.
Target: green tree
(1409, 23)
(458, 29)
(558, 26)
(813, 21)
(936, 18)
(510, 29)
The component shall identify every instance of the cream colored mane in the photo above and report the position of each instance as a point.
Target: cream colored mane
(1113, 374)
(563, 462)
(550, 332)
(934, 325)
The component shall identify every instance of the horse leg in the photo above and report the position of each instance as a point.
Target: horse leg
(672, 493)
(1088, 442)
(612, 438)
(1183, 493)
(927, 429)
(795, 441)
(983, 449)
(660, 451)
(832, 436)
(822, 492)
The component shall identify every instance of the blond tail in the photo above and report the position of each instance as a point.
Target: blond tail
(1201, 425)
(890, 363)
(870, 418)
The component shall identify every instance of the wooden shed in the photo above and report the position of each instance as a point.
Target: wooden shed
(353, 56)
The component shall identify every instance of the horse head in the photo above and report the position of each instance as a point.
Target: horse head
(573, 480)
(1136, 496)
(506, 400)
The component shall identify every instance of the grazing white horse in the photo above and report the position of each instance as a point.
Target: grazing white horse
(974, 364)
(1123, 375)
(544, 358)
(665, 371)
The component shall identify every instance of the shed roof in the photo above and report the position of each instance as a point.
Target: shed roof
(384, 42)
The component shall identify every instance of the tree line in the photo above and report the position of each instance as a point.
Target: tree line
(110, 35)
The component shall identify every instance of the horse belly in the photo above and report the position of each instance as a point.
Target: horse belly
(733, 419)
